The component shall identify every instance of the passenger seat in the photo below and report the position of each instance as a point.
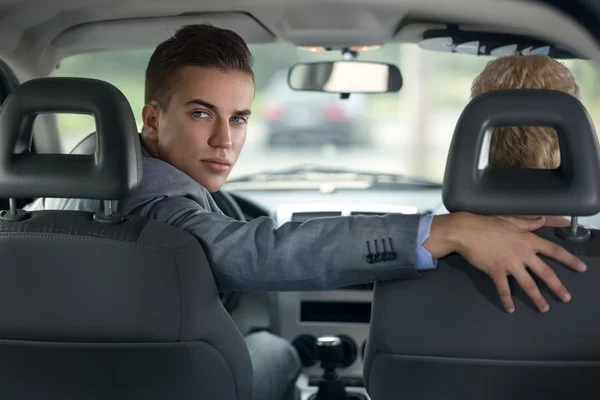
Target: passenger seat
(444, 335)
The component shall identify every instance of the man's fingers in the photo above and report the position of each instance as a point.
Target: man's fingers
(528, 284)
(504, 292)
(526, 224)
(546, 274)
(561, 255)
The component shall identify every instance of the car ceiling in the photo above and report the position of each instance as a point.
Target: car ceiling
(36, 34)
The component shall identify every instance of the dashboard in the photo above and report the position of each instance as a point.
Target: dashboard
(300, 317)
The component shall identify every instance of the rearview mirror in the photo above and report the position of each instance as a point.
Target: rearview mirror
(345, 77)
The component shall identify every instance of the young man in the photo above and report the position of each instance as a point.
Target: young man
(526, 146)
(199, 92)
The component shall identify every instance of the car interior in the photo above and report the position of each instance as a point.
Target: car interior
(361, 108)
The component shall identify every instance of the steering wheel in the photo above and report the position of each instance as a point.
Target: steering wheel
(230, 208)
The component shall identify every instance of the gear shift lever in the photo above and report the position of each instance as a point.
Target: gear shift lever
(331, 354)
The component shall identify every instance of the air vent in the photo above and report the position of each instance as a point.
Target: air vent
(305, 216)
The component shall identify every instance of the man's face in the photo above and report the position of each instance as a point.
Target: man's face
(203, 129)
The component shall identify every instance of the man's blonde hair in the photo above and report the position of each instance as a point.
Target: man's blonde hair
(525, 147)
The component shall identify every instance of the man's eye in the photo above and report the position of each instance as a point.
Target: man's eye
(200, 114)
(239, 120)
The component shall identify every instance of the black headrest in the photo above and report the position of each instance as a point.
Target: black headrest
(572, 189)
(109, 174)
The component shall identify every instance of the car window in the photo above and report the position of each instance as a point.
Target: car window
(404, 133)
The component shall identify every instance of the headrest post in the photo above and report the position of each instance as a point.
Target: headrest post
(13, 214)
(12, 206)
(574, 225)
(108, 216)
(107, 208)
(574, 233)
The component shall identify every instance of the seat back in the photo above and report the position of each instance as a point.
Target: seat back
(444, 334)
(101, 306)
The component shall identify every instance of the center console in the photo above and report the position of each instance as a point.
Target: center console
(304, 317)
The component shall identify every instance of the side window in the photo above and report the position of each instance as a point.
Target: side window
(123, 69)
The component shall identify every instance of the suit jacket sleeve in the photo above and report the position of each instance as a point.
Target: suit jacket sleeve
(319, 254)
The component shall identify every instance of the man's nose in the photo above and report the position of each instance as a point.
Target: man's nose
(221, 136)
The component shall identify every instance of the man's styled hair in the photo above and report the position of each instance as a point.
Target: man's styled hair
(525, 147)
(201, 45)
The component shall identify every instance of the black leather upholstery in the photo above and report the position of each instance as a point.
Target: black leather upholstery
(572, 189)
(445, 334)
(93, 310)
(108, 175)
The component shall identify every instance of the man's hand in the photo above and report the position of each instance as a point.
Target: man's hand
(501, 247)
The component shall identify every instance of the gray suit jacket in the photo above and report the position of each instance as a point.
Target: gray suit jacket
(319, 254)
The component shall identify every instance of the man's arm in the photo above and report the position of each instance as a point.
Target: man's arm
(319, 254)
(329, 253)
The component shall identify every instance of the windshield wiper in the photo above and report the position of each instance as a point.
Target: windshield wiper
(324, 174)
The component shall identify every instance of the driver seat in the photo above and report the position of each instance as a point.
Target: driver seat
(97, 305)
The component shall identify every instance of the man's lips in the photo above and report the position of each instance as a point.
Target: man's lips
(218, 160)
(217, 164)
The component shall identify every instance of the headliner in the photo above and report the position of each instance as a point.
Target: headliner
(36, 34)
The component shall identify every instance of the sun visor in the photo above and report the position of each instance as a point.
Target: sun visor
(139, 33)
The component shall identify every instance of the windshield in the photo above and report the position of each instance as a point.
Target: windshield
(406, 133)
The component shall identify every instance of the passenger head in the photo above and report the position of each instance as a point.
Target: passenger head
(198, 95)
(525, 147)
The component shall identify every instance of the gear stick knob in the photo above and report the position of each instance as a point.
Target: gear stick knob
(330, 351)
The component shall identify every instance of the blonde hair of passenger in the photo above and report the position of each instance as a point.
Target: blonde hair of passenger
(525, 147)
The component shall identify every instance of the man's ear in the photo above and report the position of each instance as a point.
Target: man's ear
(150, 120)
